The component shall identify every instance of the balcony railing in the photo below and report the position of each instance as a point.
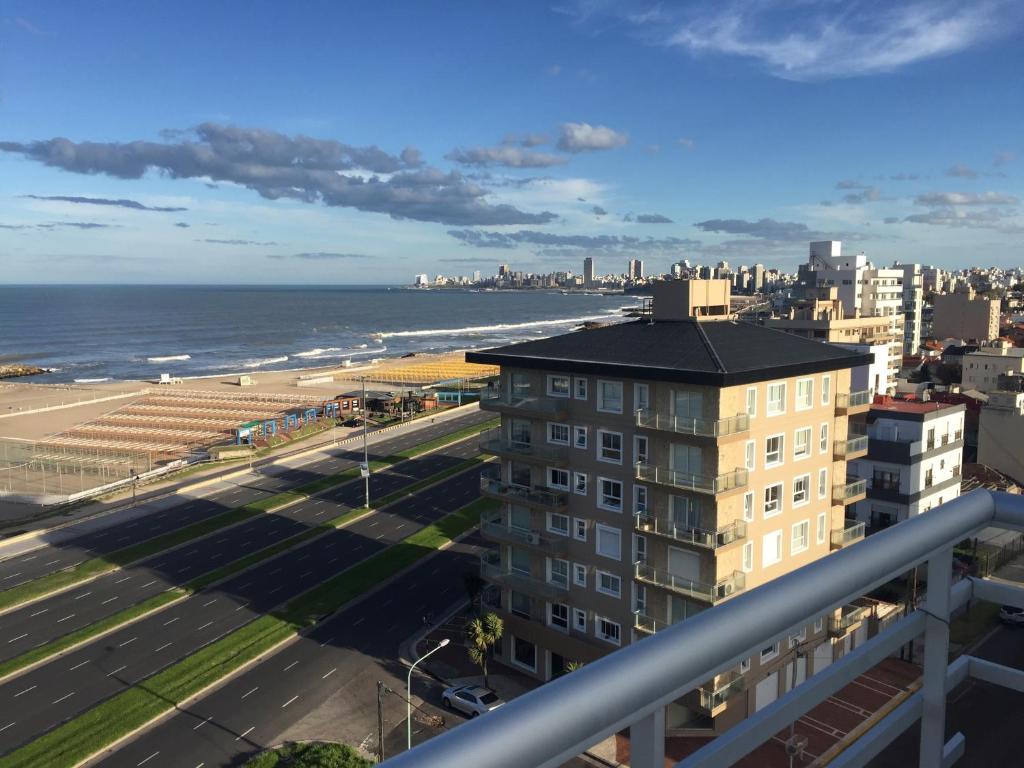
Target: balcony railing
(647, 624)
(518, 494)
(532, 730)
(848, 400)
(849, 616)
(495, 400)
(712, 484)
(705, 592)
(687, 534)
(523, 450)
(852, 448)
(850, 491)
(498, 531)
(491, 569)
(731, 425)
(714, 697)
(849, 534)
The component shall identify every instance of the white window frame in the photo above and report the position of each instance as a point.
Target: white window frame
(751, 403)
(600, 446)
(646, 453)
(768, 398)
(553, 484)
(781, 452)
(551, 437)
(578, 432)
(822, 528)
(809, 403)
(549, 562)
(579, 620)
(771, 548)
(579, 532)
(517, 662)
(796, 444)
(747, 559)
(557, 531)
(580, 392)
(601, 636)
(750, 454)
(773, 653)
(599, 528)
(576, 477)
(823, 430)
(600, 398)
(794, 548)
(600, 494)
(551, 391)
(610, 592)
(807, 490)
(579, 574)
(826, 389)
(550, 617)
(748, 506)
(764, 499)
(638, 491)
(823, 483)
(639, 387)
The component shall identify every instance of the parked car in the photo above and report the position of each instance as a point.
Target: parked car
(473, 700)
(1010, 615)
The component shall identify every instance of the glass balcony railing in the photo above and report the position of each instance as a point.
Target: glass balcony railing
(712, 484)
(849, 491)
(849, 616)
(523, 450)
(496, 400)
(687, 534)
(847, 400)
(855, 446)
(495, 530)
(647, 624)
(732, 425)
(518, 494)
(492, 570)
(706, 592)
(714, 697)
(849, 534)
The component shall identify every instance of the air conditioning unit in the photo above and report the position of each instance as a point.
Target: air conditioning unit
(533, 538)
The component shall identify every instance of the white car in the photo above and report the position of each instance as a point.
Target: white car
(1010, 615)
(473, 700)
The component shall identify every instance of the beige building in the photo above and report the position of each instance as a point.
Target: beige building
(963, 316)
(652, 469)
(981, 369)
(1001, 433)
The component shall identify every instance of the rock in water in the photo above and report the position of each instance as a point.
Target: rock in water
(11, 370)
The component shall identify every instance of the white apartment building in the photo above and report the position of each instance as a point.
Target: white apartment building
(981, 369)
(915, 451)
(913, 306)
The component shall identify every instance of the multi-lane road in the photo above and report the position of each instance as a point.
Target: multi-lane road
(42, 698)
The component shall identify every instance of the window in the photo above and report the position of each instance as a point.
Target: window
(519, 431)
(639, 500)
(609, 584)
(558, 478)
(641, 396)
(640, 598)
(524, 653)
(579, 620)
(823, 438)
(581, 389)
(579, 483)
(801, 490)
(822, 529)
(751, 401)
(558, 616)
(520, 604)
(579, 530)
(610, 446)
(558, 572)
(609, 542)
(748, 506)
(744, 666)
(819, 624)
(640, 449)
(611, 495)
(580, 437)
(607, 630)
(558, 386)
(771, 552)
(579, 575)
(826, 389)
(558, 523)
(609, 396)
(769, 653)
(773, 450)
(748, 456)
(822, 483)
(804, 394)
(800, 538)
(776, 398)
(558, 433)
(802, 443)
(773, 500)
(748, 557)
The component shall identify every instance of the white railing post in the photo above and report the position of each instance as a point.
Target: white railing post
(936, 659)
(647, 741)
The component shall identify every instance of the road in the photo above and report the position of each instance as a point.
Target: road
(42, 698)
(270, 478)
(988, 715)
(45, 620)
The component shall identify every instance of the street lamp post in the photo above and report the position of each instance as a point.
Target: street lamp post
(408, 691)
(366, 452)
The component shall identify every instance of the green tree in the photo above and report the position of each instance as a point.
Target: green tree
(482, 634)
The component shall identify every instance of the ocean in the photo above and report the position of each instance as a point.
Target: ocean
(90, 333)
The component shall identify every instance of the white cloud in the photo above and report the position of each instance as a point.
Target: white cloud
(584, 137)
(965, 198)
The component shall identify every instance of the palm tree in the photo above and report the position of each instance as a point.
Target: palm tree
(482, 634)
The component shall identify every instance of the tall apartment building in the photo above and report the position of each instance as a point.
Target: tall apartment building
(655, 468)
(962, 315)
(636, 269)
(913, 306)
(914, 458)
(588, 272)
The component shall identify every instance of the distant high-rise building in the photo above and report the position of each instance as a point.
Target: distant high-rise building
(422, 280)
(503, 270)
(913, 306)
(588, 272)
(677, 271)
(636, 269)
(758, 277)
(476, 275)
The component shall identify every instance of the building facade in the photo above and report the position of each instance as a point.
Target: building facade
(1001, 429)
(982, 369)
(962, 315)
(914, 460)
(913, 306)
(652, 469)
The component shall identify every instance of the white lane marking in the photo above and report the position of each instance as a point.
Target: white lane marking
(126, 642)
(12, 576)
(359, 621)
(63, 698)
(165, 645)
(26, 559)
(207, 624)
(19, 637)
(148, 584)
(124, 579)
(7, 726)
(84, 594)
(19, 693)
(251, 692)
(143, 762)
(240, 607)
(117, 670)
(293, 698)
(324, 677)
(52, 562)
(289, 666)
(197, 727)
(79, 664)
(109, 600)
(380, 537)
(325, 642)
(166, 623)
(69, 616)
(38, 613)
(243, 735)
(210, 603)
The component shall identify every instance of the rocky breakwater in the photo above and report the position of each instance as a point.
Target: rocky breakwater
(13, 370)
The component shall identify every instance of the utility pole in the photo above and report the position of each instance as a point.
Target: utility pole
(365, 469)
(381, 690)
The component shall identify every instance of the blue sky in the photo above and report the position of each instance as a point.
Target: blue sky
(326, 142)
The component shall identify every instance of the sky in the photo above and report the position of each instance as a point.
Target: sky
(326, 142)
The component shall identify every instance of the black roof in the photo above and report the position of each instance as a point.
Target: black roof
(710, 352)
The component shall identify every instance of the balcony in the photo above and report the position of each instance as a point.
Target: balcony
(493, 530)
(519, 405)
(853, 402)
(850, 533)
(849, 616)
(515, 449)
(714, 697)
(711, 484)
(849, 492)
(853, 448)
(707, 593)
(492, 570)
(646, 624)
(541, 498)
(698, 537)
(732, 425)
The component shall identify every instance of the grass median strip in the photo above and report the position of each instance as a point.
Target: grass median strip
(97, 566)
(106, 723)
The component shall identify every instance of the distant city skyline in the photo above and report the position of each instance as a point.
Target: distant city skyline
(351, 145)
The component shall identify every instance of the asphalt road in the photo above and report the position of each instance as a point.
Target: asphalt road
(45, 620)
(270, 479)
(246, 713)
(41, 699)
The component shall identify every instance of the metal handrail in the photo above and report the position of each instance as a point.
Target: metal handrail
(849, 489)
(692, 482)
(533, 731)
(852, 445)
(688, 534)
(853, 399)
(841, 537)
(730, 425)
(699, 590)
(539, 496)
